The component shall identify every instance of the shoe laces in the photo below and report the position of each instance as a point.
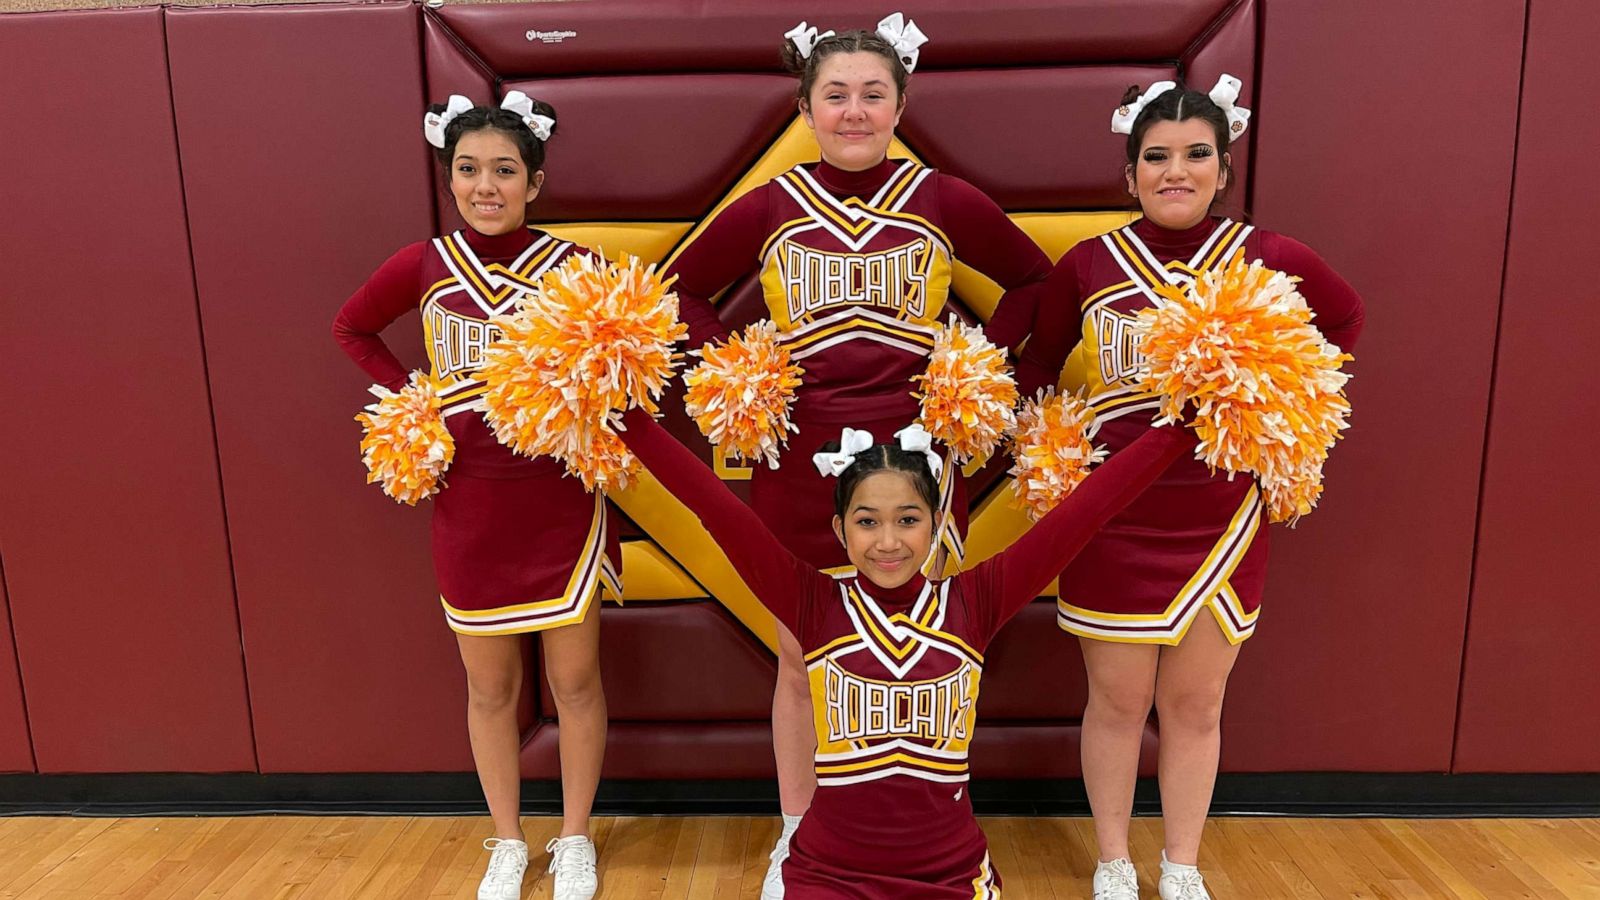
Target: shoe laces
(505, 862)
(1190, 885)
(1119, 878)
(567, 859)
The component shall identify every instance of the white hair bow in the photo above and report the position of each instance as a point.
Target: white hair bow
(1225, 95)
(1122, 119)
(916, 439)
(434, 123)
(805, 38)
(904, 36)
(522, 105)
(851, 442)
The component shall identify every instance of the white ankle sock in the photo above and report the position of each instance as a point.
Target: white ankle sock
(1172, 868)
(790, 823)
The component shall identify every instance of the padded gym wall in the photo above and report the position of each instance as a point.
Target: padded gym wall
(1356, 664)
(1531, 688)
(116, 551)
(303, 171)
(16, 747)
(193, 566)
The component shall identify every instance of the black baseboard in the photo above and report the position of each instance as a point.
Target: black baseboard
(1286, 794)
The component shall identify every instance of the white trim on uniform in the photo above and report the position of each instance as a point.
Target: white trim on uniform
(1176, 279)
(1208, 587)
(592, 572)
(856, 213)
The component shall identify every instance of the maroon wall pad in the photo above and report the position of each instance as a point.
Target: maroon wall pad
(450, 68)
(1531, 694)
(646, 147)
(16, 747)
(1230, 48)
(678, 662)
(665, 750)
(723, 35)
(1034, 750)
(196, 578)
(113, 533)
(1356, 665)
(1033, 671)
(351, 665)
(1032, 139)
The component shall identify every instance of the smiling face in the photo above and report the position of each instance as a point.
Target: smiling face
(491, 183)
(887, 528)
(853, 108)
(1178, 173)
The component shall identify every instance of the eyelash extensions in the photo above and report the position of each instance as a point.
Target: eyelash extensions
(1155, 157)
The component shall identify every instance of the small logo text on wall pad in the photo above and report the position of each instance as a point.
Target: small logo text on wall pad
(549, 37)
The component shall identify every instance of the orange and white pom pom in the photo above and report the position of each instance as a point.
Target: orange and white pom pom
(1290, 498)
(593, 340)
(968, 395)
(404, 442)
(1054, 449)
(1266, 387)
(741, 393)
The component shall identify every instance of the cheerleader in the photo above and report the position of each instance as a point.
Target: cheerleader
(854, 254)
(517, 547)
(1162, 598)
(893, 660)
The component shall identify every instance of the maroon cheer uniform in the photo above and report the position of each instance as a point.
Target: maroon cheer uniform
(517, 546)
(1195, 540)
(894, 675)
(855, 269)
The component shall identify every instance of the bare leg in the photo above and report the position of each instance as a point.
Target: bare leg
(1189, 689)
(1121, 686)
(572, 663)
(494, 683)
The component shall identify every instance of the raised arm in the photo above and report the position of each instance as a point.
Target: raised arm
(1056, 327)
(774, 574)
(726, 249)
(1016, 575)
(985, 239)
(1340, 313)
(386, 296)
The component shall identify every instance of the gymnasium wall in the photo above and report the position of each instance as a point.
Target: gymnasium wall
(195, 578)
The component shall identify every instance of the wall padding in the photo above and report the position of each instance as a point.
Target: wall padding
(116, 549)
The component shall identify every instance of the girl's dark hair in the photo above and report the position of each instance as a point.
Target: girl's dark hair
(1178, 105)
(857, 41)
(881, 458)
(480, 118)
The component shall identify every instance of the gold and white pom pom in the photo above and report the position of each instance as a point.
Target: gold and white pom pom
(741, 394)
(1053, 450)
(968, 394)
(404, 442)
(1265, 386)
(593, 340)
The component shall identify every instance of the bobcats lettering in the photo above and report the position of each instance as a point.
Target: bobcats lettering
(860, 708)
(458, 341)
(893, 280)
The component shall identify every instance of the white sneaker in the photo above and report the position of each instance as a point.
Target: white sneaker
(772, 885)
(1181, 882)
(508, 859)
(1116, 880)
(572, 862)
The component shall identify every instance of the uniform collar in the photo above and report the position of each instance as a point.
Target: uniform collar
(499, 246)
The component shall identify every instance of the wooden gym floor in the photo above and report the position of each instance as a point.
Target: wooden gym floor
(308, 858)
